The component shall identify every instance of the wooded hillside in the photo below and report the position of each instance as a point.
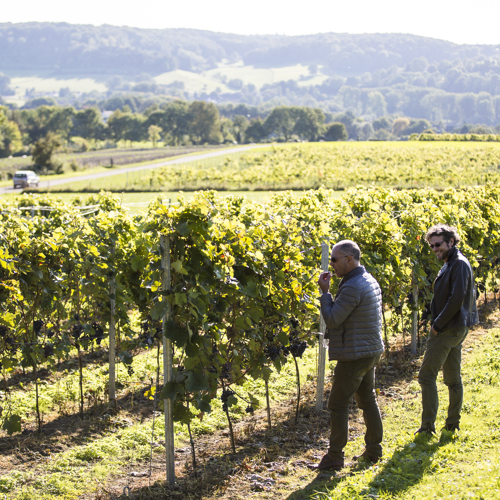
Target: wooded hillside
(81, 49)
(370, 75)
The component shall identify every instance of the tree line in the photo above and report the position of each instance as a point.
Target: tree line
(44, 130)
(175, 123)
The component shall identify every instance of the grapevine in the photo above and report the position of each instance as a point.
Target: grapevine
(243, 277)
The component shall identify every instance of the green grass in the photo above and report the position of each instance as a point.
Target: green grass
(76, 471)
(456, 466)
(261, 76)
(136, 180)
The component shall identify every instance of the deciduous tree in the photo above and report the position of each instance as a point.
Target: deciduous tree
(205, 123)
(336, 132)
(43, 153)
(154, 134)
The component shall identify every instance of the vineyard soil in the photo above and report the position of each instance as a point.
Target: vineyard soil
(278, 463)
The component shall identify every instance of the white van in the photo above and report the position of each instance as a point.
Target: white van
(25, 178)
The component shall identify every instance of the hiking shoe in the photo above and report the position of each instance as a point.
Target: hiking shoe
(365, 456)
(328, 463)
(451, 427)
(423, 430)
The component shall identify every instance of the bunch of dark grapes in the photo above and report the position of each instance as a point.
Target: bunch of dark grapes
(130, 370)
(77, 330)
(9, 341)
(158, 330)
(249, 409)
(226, 372)
(294, 322)
(37, 325)
(272, 351)
(145, 336)
(3, 334)
(48, 350)
(226, 394)
(98, 333)
(297, 348)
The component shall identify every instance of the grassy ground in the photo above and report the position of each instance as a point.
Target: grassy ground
(106, 452)
(73, 455)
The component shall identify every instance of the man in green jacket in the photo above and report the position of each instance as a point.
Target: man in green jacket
(354, 322)
(453, 310)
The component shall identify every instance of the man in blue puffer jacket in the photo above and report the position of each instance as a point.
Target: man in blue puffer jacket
(354, 323)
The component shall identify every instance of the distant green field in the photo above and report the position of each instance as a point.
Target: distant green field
(50, 85)
(263, 76)
(103, 160)
(335, 165)
(207, 81)
(220, 76)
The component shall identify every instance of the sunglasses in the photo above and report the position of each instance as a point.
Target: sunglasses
(335, 259)
(436, 245)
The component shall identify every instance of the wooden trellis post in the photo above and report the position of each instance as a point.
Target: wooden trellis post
(320, 387)
(414, 319)
(112, 338)
(167, 361)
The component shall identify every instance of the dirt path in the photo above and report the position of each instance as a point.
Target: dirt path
(45, 184)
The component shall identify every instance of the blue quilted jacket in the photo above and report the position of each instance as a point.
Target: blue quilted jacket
(354, 317)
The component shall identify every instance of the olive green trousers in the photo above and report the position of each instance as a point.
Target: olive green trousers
(354, 378)
(443, 350)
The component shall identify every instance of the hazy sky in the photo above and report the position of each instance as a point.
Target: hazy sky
(458, 21)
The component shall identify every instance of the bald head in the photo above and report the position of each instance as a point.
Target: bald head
(345, 257)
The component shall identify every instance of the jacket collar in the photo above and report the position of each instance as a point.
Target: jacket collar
(351, 274)
(453, 254)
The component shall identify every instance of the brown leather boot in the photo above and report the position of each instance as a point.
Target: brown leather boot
(365, 456)
(328, 463)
